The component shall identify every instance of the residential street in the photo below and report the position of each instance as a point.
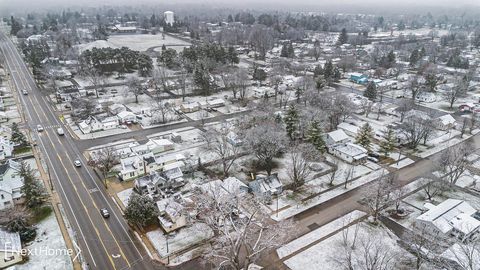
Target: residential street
(105, 243)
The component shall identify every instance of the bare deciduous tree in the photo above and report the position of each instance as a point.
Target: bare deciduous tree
(298, 166)
(218, 143)
(378, 195)
(105, 160)
(134, 87)
(431, 186)
(266, 141)
(404, 106)
(454, 162)
(242, 232)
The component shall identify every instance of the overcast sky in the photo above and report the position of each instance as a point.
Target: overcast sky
(293, 5)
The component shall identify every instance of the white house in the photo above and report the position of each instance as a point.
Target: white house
(188, 107)
(10, 249)
(6, 148)
(349, 152)
(6, 197)
(215, 103)
(427, 97)
(172, 215)
(92, 124)
(116, 108)
(450, 218)
(265, 187)
(131, 168)
(336, 136)
(126, 117)
(11, 183)
(157, 146)
(445, 122)
(109, 123)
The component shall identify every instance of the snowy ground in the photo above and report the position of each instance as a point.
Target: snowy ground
(124, 196)
(319, 233)
(49, 237)
(329, 253)
(184, 238)
(135, 42)
(291, 209)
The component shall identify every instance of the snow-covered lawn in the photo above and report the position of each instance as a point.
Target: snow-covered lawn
(181, 240)
(124, 196)
(329, 253)
(49, 236)
(299, 207)
(319, 233)
(140, 42)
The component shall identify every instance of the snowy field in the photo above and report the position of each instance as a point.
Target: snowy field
(319, 233)
(49, 236)
(330, 253)
(135, 42)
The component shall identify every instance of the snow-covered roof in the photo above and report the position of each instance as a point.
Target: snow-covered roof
(449, 214)
(10, 242)
(338, 135)
(354, 150)
(447, 119)
(125, 114)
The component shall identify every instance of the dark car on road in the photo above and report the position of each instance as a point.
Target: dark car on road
(105, 213)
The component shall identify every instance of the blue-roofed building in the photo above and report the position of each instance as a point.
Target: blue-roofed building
(358, 78)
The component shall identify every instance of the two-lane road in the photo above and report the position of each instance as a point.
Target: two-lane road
(105, 243)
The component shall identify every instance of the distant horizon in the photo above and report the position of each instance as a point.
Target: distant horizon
(346, 6)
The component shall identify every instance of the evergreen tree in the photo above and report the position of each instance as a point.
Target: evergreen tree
(391, 58)
(337, 74)
(314, 136)
(388, 143)
(291, 51)
(328, 71)
(291, 121)
(365, 136)
(141, 210)
(18, 137)
(232, 56)
(284, 51)
(32, 189)
(414, 57)
(371, 91)
(343, 38)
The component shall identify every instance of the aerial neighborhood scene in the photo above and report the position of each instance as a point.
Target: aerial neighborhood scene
(302, 135)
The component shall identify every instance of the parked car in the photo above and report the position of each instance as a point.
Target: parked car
(104, 213)
(372, 159)
(374, 154)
